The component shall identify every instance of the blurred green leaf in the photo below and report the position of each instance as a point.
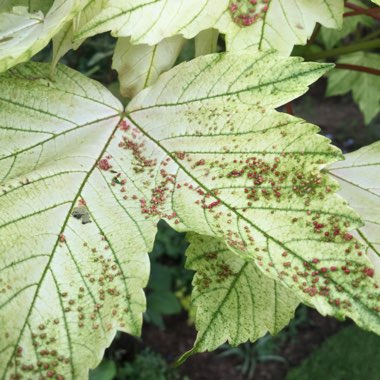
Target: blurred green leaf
(164, 302)
(105, 371)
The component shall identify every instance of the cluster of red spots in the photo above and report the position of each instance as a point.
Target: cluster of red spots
(234, 241)
(104, 164)
(309, 185)
(247, 12)
(200, 162)
(107, 287)
(260, 173)
(235, 173)
(137, 149)
(212, 204)
(202, 280)
(49, 361)
(332, 228)
(224, 272)
(158, 198)
(124, 126)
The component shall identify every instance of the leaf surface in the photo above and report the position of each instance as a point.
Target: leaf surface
(150, 21)
(139, 66)
(206, 42)
(270, 24)
(69, 274)
(23, 34)
(359, 179)
(278, 24)
(234, 300)
(225, 164)
(365, 87)
(81, 194)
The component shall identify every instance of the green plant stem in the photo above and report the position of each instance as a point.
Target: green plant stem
(368, 70)
(371, 35)
(359, 46)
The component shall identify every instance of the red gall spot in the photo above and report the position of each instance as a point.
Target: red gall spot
(284, 254)
(315, 261)
(369, 272)
(324, 270)
(82, 202)
(62, 238)
(347, 236)
(103, 164)
(180, 155)
(200, 162)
